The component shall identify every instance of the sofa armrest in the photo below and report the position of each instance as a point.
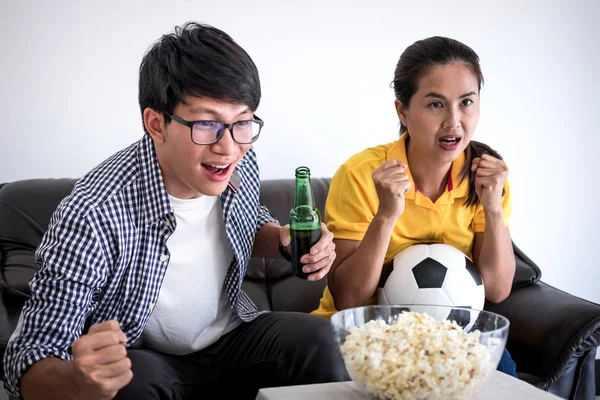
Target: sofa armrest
(549, 329)
(526, 271)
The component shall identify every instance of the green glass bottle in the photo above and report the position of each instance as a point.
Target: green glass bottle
(305, 221)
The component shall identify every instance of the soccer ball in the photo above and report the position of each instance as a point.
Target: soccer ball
(431, 274)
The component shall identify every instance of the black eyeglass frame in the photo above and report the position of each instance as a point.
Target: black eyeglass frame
(190, 124)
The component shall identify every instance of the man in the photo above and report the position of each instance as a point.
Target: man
(151, 247)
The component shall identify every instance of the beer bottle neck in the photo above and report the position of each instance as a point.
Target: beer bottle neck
(304, 195)
(304, 215)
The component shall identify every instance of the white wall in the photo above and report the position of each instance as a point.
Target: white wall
(69, 94)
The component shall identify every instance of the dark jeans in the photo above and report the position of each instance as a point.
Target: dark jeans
(507, 365)
(276, 349)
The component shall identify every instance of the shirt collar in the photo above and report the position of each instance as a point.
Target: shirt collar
(455, 188)
(155, 199)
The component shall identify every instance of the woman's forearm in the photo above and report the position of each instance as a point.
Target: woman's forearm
(355, 280)
(496, 259)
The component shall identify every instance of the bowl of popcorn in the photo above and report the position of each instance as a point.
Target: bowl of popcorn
(419, 352)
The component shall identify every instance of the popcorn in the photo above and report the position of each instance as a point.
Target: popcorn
(416, 357)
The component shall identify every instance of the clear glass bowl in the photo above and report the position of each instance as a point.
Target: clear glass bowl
(420, 365)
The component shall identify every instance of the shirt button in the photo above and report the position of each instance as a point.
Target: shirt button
(164, 257)
(151, 306)
(167, 223)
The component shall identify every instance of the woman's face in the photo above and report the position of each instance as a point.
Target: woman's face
(443, 113)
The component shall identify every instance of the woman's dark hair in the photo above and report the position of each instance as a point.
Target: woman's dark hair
(415, 62)
(197, 60)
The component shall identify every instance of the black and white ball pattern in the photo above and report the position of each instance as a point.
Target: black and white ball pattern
(431, 274)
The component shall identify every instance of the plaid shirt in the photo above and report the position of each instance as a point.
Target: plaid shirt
(104, 255)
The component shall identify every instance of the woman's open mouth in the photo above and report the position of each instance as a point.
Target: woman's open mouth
(449, 143)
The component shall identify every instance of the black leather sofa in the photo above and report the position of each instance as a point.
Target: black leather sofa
(553, 335)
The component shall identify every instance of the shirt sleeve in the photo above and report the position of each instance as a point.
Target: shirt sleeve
(264, 217)
(71, 272)
(350, 205)
(251, 171)
(479, 218)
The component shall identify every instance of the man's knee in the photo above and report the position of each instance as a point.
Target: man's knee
(150, 377)
(322, 359)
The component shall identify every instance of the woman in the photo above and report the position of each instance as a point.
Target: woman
(434, 184)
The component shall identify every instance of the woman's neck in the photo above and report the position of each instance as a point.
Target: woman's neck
(430, 178)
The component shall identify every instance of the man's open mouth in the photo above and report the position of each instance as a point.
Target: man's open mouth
(216, 169)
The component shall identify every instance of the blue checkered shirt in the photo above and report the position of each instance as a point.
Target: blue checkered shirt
(104, 255)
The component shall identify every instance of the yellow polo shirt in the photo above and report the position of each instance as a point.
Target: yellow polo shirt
(352, 203)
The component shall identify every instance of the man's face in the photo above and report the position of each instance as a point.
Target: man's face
(191, 170)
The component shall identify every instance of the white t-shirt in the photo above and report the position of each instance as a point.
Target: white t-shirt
(193, 309)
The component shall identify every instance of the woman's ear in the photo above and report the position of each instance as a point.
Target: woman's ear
(401, 111)
(154, 122)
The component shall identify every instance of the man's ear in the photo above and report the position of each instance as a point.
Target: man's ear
(154, 122)
(401, 111)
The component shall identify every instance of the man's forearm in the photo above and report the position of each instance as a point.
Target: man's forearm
(266, 242)
(48, 379)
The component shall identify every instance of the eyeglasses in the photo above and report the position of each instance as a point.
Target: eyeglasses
(209, 132)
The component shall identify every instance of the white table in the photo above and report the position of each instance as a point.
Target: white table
(498, 387)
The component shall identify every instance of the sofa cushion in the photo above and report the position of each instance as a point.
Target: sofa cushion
(258, 293)
(25, 210)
